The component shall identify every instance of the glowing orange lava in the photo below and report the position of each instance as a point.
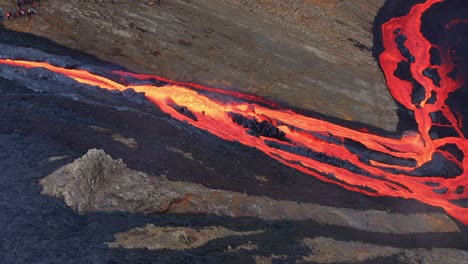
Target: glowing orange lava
(303, 135)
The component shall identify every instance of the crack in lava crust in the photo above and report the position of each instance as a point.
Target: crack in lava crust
(317, 147)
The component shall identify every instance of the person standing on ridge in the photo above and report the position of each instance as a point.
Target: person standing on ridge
(31, 11)
(15, 13)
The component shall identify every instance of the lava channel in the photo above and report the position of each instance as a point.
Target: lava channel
(322, 149)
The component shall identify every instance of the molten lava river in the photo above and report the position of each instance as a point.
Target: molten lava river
(354, 159)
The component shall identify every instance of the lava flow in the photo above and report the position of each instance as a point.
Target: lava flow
(356, 160)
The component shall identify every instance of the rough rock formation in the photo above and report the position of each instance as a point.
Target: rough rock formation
(96, 182)
(328, 250)
(152, 237)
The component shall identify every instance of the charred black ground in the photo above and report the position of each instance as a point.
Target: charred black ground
(434, 23)
(453, 40)
(38, 227)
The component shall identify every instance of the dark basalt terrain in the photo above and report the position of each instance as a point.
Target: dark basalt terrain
(93, 176)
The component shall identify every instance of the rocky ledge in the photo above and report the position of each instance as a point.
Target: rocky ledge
(96, 182)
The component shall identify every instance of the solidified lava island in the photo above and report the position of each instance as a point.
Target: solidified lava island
(237, 161)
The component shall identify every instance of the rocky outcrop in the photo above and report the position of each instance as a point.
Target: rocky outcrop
(78, 183)
(177, 238)
(329, 250)
(96, 182)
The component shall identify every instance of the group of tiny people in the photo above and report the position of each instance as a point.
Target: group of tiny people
(21, 11)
